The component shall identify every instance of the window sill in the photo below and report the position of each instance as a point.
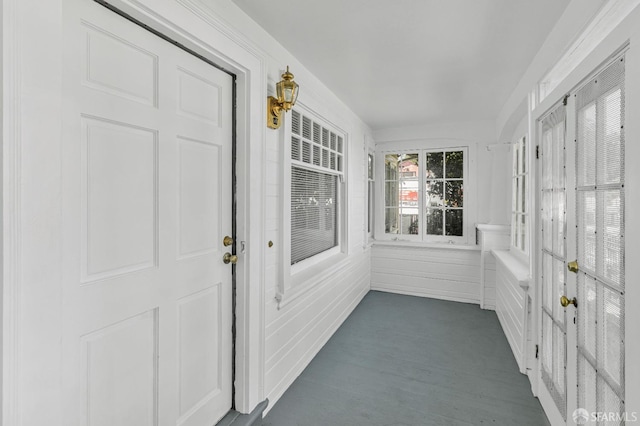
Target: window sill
(422, 245)
(519, 269)
(311, 276)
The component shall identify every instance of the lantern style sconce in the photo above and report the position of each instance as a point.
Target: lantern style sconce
(287, 93)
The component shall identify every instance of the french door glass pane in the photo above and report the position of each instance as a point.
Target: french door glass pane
(547, 231)
(587, 392)
(547, 344)
(586, 322)
(586, 203)
(610, 203)
(558, 221)
(547, 166)
(547, 282)
(613, 335)
(610, 146)
(559, 290)
(586, 165)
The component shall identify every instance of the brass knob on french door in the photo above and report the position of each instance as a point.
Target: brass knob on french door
(564, 301)
(227, 241)
(573, 266)
(230, 258)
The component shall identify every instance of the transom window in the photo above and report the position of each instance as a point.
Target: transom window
(424, 194)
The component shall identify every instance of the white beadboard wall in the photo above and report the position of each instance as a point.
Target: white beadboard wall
(439, 272)
(511, 302)
(489, 281)
(296, 332)
(490, 237)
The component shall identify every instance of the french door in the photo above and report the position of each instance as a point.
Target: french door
(581, 252)
(146, 190)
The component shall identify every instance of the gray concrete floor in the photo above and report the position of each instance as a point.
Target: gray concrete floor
(409, 361)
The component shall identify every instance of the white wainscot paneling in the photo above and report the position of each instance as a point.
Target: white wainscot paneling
(297, 332)
(489, 281)
(200, 360)
(118, 67)
(490, 237)
(119, 200)
(512, 283)
(199, 212)
(442, 273)
(120, 373)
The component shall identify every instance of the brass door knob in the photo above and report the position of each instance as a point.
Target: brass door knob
(573, 266)
(230, 258)
(564, 301)
(227, 241)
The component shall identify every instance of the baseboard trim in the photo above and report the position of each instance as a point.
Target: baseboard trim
(233, 418)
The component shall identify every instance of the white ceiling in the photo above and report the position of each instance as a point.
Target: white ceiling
(412, 62)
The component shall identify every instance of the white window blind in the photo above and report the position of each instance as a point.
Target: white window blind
(317, 162)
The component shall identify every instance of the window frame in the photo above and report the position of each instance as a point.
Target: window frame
(521, 157)
(470, 192)
(370, 191)
(293, 275)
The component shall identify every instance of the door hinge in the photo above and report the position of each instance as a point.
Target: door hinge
(564, 101)
(537, 350)
(537, 152)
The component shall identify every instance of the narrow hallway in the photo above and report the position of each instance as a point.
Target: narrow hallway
(404, 360)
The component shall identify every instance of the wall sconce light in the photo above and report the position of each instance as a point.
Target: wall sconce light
(287, 93)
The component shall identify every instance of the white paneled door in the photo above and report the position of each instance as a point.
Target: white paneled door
(582, 253)
(146, 204)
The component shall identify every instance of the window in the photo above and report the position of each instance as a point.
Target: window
(520, 188)
(444, 192)
(424, 194)
(370, 194)
(317, 162)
